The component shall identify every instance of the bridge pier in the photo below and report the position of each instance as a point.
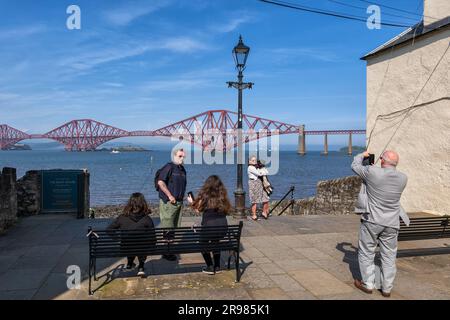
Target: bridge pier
(325, 144)
(350, 151)
(301, 140)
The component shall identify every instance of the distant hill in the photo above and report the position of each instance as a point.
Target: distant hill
(20, 146)
(124, 149)
(46, 145)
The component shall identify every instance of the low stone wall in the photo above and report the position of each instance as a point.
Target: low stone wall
(337, 196)
(8, 198)
(23, 198)
(29, 193)
(113, 211)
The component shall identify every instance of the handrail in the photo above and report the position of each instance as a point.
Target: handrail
(291, 191)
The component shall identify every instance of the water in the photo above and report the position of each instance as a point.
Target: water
(115, 176)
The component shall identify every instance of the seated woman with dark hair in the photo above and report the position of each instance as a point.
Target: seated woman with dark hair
(135, 216)
(213, 203)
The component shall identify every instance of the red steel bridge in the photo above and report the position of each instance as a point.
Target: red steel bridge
(214, 129)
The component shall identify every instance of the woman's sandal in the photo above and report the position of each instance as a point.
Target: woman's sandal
(254, 219)
(265, 217)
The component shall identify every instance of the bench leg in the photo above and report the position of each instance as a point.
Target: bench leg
(90, 276)
(238, 272)
(95, 269)
(229, 259)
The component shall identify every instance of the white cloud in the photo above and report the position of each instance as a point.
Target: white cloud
(7, 97)
(123, 16)
(92, 57)
(113, 84)
(21, 32)
(183, 44)
(281, 55)
(174, 85)
(233, 24)
(195, 79)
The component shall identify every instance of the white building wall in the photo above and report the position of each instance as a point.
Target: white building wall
(434, 10)
(394, 79)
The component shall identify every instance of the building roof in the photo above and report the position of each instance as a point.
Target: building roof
(416, 31)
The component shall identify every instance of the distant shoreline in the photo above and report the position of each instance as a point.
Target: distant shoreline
(20, 147)
(123, 149)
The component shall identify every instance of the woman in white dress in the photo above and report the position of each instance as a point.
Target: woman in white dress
(257, 193)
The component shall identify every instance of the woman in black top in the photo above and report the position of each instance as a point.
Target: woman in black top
(135, 216)
(213, 203)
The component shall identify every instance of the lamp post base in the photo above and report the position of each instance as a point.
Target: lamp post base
(239, 200)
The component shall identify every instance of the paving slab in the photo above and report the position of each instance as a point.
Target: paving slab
(320, 282)
(271, 268)
(23, 279)
(301, 295)
(17, 294)
(47, 250)
(295, 264)
(55, 282)
(286, 282)
(312, 253)
(6, 262)
(35, 262)
(268, 294)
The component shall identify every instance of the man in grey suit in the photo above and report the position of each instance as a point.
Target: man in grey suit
(379, 205)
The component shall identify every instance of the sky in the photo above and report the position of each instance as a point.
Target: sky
(140, 65)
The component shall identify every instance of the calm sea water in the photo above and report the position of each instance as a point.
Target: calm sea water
(115, 176)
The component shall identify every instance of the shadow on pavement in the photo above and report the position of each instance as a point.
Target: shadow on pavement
(350, 257)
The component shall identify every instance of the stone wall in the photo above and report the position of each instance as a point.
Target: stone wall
(8, 198)
(29, 193)
(337, 196)
(113, 211)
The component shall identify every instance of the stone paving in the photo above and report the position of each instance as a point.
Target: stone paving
(287, 257)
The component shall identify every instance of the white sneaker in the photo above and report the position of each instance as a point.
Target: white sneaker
(208, 270)
(141, 272)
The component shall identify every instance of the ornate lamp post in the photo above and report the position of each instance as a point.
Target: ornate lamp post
(240, 54)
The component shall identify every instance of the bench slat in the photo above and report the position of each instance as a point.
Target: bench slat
(155, 241)
(424, 228)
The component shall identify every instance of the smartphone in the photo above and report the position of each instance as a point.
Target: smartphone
(191, 195)
(370, 160)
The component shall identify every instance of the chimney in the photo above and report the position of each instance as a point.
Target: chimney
(434, 10)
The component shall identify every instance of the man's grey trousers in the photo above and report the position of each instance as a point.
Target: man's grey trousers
(370, 235)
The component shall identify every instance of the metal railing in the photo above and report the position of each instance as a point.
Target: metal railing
(291, 202)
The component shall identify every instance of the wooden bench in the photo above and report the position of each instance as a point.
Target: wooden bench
(162, 241)
(425, 228)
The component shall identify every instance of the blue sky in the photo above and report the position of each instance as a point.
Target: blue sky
(145, 64)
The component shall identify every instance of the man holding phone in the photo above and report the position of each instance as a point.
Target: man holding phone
(171, 184)
(379, 205)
